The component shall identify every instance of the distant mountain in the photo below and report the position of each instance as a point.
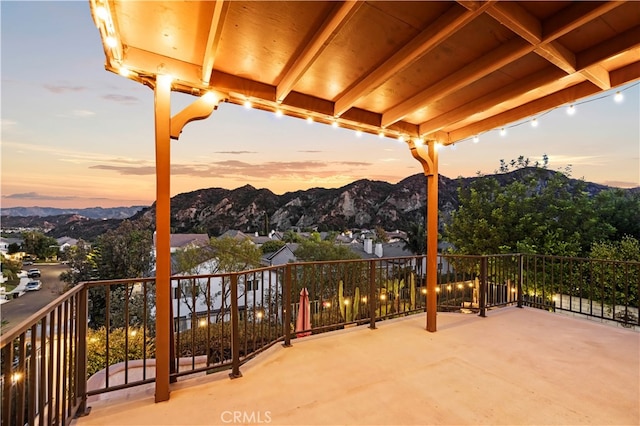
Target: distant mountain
(360, 204)
(91, 213)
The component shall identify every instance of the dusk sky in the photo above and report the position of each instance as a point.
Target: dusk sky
(75, 135)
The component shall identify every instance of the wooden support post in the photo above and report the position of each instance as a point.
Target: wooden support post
(162, 104)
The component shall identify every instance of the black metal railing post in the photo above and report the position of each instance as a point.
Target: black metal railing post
(372, 294)
(81, 372)
(520, 278)
(286, 306)
(483, 286)
(235, 329)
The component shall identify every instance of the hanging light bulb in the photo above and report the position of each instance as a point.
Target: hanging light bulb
(309, 120)
(278, 113)
(476, 139)
(334, 124)
(247, 104)
(618, 97)
(571, 110)
(380, 135)
(534, 122)
(401, 138)
(503, 132)
(358, 133)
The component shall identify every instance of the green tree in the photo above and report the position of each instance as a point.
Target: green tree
(13, 248)
(10, 268)
(539, 212)
(290, 236)
(619, 280)
(380, 235)
(38, 244)
(313, 250)
(416, 238)
(123, 253)
(221, 255)
(621, 210)
(126, 252)
(82, 264)
(272, 246)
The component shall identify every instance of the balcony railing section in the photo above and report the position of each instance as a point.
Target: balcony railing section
(100, 336)
(44, 370)
(604, 289)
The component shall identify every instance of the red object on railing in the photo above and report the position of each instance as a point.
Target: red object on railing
(303, 320)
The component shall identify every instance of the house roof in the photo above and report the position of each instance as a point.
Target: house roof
(183, 240)
(436, 70)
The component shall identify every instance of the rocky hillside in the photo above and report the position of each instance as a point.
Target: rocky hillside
(361, 204)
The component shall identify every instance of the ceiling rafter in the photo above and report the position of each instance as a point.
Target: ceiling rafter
(339, 16)
(569, 94)
(625, 41)
(521, 22)
(574, 16)
(449, 23)
(481, 67)
(213, 39)
(510, 91)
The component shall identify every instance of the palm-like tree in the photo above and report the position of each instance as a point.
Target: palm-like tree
(416, 238)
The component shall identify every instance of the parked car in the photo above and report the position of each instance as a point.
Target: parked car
(33, 286)
(33, 273)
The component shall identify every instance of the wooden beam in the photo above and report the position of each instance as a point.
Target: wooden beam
(505, 93)
(558, 55)
(574, 16)
(518, 20)
(448, 24)
(622, 42)
(142, 61)
(485, 65)
(598, 75)
(546, 103)
(625, 74)
(340, 15)
(213, 39)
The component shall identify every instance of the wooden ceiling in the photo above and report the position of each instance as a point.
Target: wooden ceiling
(441, 71)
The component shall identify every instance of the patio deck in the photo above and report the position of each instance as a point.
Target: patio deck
(516, 366)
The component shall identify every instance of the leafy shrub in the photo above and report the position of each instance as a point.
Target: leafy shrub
(138, 347)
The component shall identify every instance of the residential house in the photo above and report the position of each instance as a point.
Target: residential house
(65, 243)
(282, 256)
(193, 299)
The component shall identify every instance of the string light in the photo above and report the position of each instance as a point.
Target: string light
(618, 97)
(278, 113)
(381, 135)
(358, 133)
(334, 124)
(310, 120)
(247, 104)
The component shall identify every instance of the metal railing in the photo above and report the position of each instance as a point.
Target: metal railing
(44, 374)
(100, 336)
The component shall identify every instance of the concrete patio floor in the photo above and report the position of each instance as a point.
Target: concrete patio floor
(514, 367)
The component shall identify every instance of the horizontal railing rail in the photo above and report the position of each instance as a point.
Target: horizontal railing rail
(100, 336)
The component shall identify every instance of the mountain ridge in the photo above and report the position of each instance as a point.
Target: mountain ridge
(363, 203)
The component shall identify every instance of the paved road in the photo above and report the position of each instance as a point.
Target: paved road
(17, 310)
